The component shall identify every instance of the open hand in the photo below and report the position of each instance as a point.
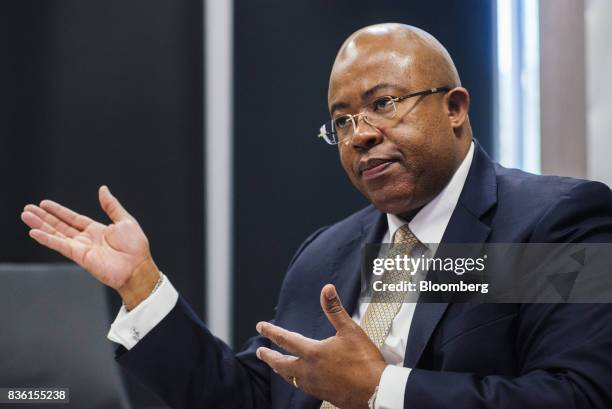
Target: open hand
(116, 254)
(343, 369)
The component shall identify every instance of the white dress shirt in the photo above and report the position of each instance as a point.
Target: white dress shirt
(428, 225)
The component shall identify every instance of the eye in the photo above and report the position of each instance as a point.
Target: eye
(342, 122)
(383, 104)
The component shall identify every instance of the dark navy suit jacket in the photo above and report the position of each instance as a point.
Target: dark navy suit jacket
(464, 356)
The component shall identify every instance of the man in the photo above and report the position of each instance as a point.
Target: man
(400, 119)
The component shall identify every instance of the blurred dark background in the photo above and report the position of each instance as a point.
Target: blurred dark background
(106, 92)
(111, 92)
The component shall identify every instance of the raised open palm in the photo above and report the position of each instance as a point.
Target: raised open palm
(111, 253)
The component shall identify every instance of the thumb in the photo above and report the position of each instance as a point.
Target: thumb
(111, 205)
(332, 306)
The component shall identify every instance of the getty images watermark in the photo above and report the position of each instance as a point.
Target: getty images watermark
(490, 272)
(398, 273)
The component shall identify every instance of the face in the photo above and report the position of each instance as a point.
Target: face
(404, 164)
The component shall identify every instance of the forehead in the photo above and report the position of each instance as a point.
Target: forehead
(356, 73)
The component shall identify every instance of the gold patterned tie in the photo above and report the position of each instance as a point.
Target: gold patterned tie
(384, 305)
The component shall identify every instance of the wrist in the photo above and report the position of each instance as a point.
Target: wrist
(140, 284)
(376, 372)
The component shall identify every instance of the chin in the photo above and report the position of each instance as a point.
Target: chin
(393, 201)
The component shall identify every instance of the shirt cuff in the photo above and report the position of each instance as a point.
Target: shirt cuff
(392, 387)
(130, 327)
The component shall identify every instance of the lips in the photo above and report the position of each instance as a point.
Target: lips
(372, 167)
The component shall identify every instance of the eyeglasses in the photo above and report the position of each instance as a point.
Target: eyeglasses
(377, 114)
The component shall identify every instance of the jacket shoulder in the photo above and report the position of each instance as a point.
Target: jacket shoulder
(549, 208)
(543, 191)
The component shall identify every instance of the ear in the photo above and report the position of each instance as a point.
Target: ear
(458, 104)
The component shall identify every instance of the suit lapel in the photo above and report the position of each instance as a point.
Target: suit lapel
(465, 226)
(346, 269)
(345, 274)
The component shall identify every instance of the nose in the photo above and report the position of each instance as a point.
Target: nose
(366, 135)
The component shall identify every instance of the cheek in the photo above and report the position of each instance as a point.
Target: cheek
(346, 160)
(420, 140)
(428, 153)
(413, 142)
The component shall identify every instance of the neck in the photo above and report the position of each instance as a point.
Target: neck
(410, 214)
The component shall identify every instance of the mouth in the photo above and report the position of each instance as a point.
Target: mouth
(373, 167)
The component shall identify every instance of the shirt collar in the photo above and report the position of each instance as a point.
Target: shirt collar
(429, 224)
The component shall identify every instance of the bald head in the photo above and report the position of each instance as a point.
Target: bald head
(409, 51)
(400, 158)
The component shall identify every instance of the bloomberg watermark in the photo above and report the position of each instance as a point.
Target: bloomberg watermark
(490, 272)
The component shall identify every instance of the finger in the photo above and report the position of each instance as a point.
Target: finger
(332, 306)
(35, 222)
(59, 244)
(291, 342)
(53, 221)
(284, 365)
(71, 218)
(111, 206)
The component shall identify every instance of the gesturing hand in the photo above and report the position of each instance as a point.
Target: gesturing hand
(116, 254)
(343, 369)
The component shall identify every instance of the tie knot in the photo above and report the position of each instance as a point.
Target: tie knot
(404, 235)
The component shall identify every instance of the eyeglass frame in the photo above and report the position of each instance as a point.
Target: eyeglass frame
(355, 117)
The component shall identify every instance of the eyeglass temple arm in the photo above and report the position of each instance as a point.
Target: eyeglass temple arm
(426, 92)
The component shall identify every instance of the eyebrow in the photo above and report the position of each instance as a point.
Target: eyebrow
(364, 97)
(339, 105)
(368, 94)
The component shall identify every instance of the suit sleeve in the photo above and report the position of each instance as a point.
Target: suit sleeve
(564, 350)
(188, 367)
